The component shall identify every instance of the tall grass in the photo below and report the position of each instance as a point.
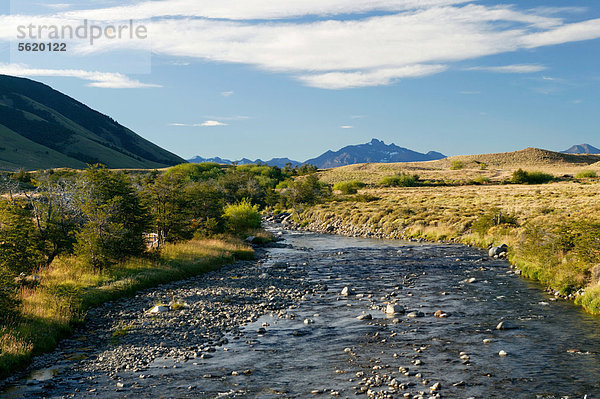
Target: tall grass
(69, 288)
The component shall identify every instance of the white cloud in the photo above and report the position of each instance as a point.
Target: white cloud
(470, 92)
(212, 123)
(577, 31)
(378, 77)
(209, 123)
(517, 68)
(227, 93)
(254, 10)
(347, 127)
(412, 38)
(107, 80)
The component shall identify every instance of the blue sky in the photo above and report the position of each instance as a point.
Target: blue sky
(266, 78)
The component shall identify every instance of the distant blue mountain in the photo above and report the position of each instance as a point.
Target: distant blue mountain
(582, 149)
(279, 162)
(375, 151)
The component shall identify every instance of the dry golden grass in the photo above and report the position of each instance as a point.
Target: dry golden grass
(496, 167)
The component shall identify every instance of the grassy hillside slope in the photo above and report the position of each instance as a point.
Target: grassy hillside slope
(43, 128)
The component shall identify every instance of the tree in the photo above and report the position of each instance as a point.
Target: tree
(165, 198)
(307, 190)
(238, 185)
(19, 249)
(56, 216)
(205, 201)
(114, 218)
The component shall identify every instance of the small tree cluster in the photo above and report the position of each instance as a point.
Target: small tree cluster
(349, 187)
(520, 176)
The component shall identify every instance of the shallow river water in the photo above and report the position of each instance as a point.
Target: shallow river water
(317, 352)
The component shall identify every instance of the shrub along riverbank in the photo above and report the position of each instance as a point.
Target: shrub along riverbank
(553, 230)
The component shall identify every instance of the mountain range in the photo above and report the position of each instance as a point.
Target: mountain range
(582, 149)
(279, 162)
(375, 151)
(42, 128)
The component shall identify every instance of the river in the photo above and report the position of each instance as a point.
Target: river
(317, 346)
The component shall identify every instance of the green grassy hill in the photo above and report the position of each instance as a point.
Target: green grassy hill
(42, 128)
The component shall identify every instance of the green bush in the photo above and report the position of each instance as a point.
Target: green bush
(586, 174)
(349, 187)
(456, 165)
(523, 177)
(242, 216)
(481, 180)
(493, 217)
(402, 180)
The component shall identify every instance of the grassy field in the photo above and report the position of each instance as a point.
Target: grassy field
(553, 230)
(67, 289)
(465, 168)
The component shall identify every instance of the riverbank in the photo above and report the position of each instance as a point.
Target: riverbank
(64, 292)
(132, 346)
(550, 229)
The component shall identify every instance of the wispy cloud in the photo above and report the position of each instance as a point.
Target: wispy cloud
(212, 123)
(179, 63)
(347, 127)
(470, 92)
(107, 80)
(255, 9)
(517, 68)
(209, 123)
(377, 77)
(56, 6)
(408, 39)
(227, 93)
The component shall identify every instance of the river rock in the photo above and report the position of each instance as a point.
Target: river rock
(506, 325)
(499, 251)
(346, 291)
(159, 309)
(392, 309)
(502, 353)
(367, 316)
(440, 314)
(415, 314)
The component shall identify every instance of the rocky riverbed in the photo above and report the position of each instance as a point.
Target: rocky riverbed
(186, 321)
(333, 316)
